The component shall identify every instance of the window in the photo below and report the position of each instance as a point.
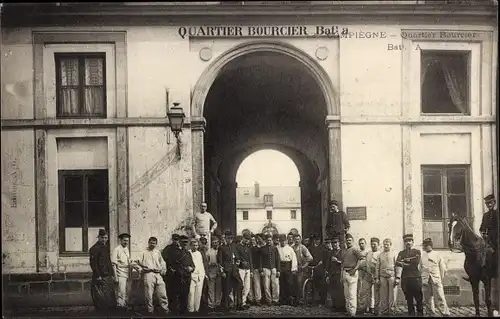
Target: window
(245, 215)
(293, 214)
(80, 84)
(444, 80)
(445, 192)
(268, 200)
(269, 214)
(83, 208)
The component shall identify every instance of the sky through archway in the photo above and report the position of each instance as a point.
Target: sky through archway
(268, 168)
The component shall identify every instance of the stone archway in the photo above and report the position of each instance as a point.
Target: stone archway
(330, 180)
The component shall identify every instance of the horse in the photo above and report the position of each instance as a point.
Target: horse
(480, 260)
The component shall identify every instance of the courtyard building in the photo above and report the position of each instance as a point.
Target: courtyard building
(389, 107)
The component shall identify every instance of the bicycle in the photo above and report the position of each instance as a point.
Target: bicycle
(308, 287)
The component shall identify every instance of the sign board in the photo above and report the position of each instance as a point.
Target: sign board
(356, 213)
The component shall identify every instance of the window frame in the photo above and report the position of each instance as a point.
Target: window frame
(81, 56)
(468, 71)
(267, 214)
(293, 214)
(443, 171)
(474, 72)
(243, 215)
(62, 174)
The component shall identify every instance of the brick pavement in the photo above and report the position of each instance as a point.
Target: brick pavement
(274, 311)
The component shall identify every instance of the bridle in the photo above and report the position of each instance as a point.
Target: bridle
(464, 248)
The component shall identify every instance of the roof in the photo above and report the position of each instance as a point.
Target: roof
(33, 14)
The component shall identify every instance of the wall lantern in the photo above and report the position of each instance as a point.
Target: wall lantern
(176, 118)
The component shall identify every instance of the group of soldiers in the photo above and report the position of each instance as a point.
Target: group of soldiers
(214, 271)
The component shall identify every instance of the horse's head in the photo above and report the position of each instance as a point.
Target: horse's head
(455, 231)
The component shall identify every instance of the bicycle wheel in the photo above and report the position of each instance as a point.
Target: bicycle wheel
(307, 292)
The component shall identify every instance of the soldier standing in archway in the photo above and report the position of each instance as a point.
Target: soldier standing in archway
(202, 221)
(338, 224)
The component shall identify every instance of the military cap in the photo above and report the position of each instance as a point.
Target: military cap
(335, 238)
(214, 238)
(184, 238)
(228, 233)
(489, 198)
(102, 232)
(290, 234)
(348, 236)
(334, 202)
(175, 236)
(374, 240)
(328, 239)
(427, 242)
(408, 237)
(124, 235)
(282, 237)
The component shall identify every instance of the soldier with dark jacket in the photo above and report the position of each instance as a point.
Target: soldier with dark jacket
(102, 286)
(338, 223)
(317, 250)
(231, 280)
(409, 276)
(168, 252)
(183, 266)
(270, 264)
(489, 223)
(332, 259)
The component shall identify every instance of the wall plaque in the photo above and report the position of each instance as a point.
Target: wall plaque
(356, 213)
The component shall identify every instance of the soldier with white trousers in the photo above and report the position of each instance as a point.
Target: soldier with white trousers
(433, 270)
(197, 278)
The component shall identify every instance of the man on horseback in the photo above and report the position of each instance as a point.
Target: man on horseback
(489, 224)
(489, 231)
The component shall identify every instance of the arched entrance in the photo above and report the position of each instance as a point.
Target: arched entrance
(265, 94)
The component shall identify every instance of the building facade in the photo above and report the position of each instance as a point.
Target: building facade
(259, 206)
(390, 108)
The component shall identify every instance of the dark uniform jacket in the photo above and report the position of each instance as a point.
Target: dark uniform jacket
(410, 269)
(331, 266)
(167, 253)
(100, 260)
(226, 257)
(489, 225)
(270, 258)
(317, 252)
(337, 222)
(244, 255)
(181, 260)
(256, 252)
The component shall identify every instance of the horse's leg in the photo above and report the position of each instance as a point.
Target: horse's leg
(475, 294)
(487, 295)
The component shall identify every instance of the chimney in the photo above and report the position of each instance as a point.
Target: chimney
(257, 190)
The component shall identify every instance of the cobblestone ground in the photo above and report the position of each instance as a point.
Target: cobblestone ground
(274, 311)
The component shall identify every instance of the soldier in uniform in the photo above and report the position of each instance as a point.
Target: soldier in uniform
(489, 230)
(332, 260)
(409, 276)
(168, 253)
(338, 223)
(102, 287)
(317, 250)
(231, 280)
(489, 223)
(183, 266)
